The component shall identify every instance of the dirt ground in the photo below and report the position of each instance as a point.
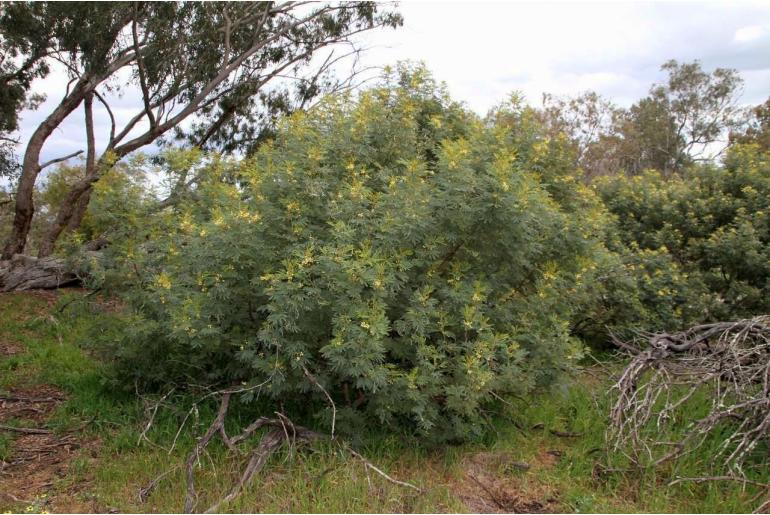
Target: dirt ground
(37, 462)
(495, 483)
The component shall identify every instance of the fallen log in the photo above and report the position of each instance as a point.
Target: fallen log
(27, 273)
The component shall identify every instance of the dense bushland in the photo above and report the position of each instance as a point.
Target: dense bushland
(389, 262)
(418, 263)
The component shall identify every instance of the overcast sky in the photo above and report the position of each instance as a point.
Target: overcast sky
(483, 51)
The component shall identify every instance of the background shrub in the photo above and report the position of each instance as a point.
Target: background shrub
(698, 243)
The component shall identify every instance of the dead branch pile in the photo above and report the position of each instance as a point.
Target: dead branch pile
(281, 431)
(664, 385)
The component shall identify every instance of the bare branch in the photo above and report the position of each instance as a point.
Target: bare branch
(727, 361)
(141, 69)
(112, 117)
(313, 380)
(25, 430)
(60, 159)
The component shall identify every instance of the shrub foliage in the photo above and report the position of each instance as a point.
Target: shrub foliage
(416, 263)
(699, 243)
(410, 257)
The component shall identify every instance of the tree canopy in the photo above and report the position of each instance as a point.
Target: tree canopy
(215, 60)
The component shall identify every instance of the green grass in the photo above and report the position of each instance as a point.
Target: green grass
(112, 466)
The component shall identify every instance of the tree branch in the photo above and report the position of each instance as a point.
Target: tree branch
(60, 159)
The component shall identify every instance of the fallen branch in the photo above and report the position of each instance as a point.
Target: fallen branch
(151, 419)
(144, 493)
(271, 442)
(33, 400)
(76, 299)
(764, 507)
(28, 273)
(565, 434)
(706, 479)
(16, 499)
(368, 464)
(26, 430)
(281, 431)
(490, 494)
(728, 361)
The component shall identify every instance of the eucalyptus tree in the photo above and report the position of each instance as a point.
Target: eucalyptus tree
(217, 62)
(756, 127)
(587, 120)
(82, 36)
(682, 120)
(20, 63)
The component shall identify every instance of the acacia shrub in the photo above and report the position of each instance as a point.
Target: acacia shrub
(618, 288)
(700, 241)
(393, 246)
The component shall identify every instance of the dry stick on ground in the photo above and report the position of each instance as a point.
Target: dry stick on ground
(764, 507)
(191, 496)
(494, 498)
(281, 431)
(705, 479)
(368, 465)
(26, 430)
(33, 400)
(565, 434)
(153, 412)
(16, 499)
(728, 360)
(144, 493)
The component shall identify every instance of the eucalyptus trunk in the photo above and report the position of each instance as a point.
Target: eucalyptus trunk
(31, 167)
(77, 198)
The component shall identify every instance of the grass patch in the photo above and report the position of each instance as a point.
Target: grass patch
(112, 464)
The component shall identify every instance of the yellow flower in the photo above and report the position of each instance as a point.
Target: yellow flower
(163, 281)
(186, 224)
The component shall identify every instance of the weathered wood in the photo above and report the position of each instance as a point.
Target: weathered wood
(28, 273)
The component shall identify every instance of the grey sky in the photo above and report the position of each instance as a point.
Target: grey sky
(486, 50)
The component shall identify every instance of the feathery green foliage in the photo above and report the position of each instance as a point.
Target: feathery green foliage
(393, 247)
(700, 242)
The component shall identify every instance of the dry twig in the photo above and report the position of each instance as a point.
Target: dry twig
(730, 361)
(26, 430)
